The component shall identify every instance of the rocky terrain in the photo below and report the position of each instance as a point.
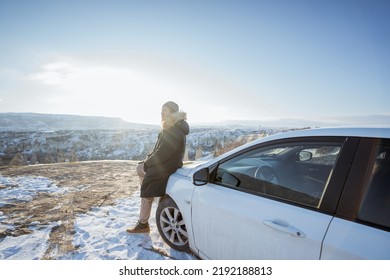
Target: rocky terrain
(26, 148)
(22, 148)
(27, 139)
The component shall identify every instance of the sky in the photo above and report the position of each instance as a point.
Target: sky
(219, 60)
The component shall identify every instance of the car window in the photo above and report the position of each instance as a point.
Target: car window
(297, 173)
(375, 206)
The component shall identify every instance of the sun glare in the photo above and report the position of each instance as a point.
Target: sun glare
(134, 94)
(104, 90)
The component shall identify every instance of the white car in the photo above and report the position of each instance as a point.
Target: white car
(308, 194)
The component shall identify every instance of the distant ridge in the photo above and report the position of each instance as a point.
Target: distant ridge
(54, 122)
(380, 120)
(30, 122)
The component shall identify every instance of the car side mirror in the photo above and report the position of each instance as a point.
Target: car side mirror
(304, 156)
(201, 177)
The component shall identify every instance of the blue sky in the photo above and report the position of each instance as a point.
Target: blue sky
(219, 60)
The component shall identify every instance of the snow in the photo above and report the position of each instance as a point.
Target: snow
(26, 247)
(23, 189)
(99, 234)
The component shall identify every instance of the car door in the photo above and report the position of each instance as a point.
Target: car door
(242, 214)
(361, 229)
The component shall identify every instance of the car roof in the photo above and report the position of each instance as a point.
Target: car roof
(370, 132)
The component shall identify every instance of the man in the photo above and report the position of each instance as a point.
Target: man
(166, 158)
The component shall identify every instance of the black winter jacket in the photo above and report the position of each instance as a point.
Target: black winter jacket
(166, 158)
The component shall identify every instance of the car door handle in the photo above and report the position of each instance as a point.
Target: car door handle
(284, 227)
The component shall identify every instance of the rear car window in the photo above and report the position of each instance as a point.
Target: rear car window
(375, 206)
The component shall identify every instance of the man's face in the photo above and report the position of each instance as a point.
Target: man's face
(165, 112)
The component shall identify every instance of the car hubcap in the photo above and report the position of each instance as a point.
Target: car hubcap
(173, 226)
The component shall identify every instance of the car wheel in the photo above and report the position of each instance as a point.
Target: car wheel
(171, 226)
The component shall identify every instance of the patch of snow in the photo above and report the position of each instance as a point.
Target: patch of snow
(101, 234)
(24, 189)
(26, 247)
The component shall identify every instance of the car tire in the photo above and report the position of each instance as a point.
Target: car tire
(171, 226)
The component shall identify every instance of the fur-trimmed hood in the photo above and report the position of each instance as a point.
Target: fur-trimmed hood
(178, 119)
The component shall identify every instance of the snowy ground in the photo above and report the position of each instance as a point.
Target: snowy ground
(98, 234)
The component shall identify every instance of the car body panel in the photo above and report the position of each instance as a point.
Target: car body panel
(180, 190)
(350, 240)
(252, 227)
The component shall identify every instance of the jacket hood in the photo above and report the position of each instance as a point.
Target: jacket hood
(179, 120)
(183, 126)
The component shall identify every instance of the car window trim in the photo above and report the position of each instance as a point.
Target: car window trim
(341, 170)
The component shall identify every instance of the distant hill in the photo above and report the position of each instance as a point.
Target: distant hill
(47, 122)
(379, 120)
